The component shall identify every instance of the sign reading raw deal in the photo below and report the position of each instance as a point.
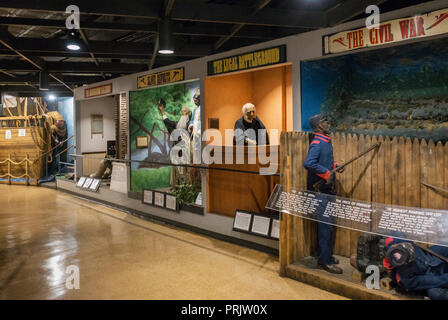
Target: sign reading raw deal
(255, 59)
(430, 24)
(98, 91)
(157, 79)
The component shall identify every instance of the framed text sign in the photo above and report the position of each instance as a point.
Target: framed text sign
(157, 79)
(98, 91)
(419, 26)
(245, 61)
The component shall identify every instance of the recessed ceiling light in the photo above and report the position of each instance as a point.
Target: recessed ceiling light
(73, 46)
(166, 51)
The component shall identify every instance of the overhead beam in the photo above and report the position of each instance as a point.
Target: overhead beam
(348, 10)
(259, 5)
(34, 79)
(183, 10)
(178, 28)
(74, 67)
(102, 47)
(168, 7)
(8, 41)
(138, 9)
(222, 13)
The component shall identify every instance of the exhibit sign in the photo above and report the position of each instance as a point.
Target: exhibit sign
(408, 223)
(119, 178)
(419, 26)
(157, 79)
(266, 226)
(245, 61)
(98, 91)
(160, 199)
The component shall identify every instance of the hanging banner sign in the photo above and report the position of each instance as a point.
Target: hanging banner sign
(157, 79)
(414, 224)
(98, 91)
(255, 59)
(420, 26)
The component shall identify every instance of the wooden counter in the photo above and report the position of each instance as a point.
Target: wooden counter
(228, 191)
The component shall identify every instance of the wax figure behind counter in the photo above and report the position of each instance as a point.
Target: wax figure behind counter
(249, 129)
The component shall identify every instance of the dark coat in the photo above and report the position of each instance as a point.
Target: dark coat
(319, 161)
(425, 272)
(241, 132)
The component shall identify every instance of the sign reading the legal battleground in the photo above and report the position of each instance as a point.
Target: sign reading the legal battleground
(255, 59)
(420, 26)
(415, 224)
(157, 79)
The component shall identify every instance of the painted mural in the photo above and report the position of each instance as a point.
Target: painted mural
(147, 126)
(397, 91)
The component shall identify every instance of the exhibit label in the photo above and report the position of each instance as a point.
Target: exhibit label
(415, 224)
(420, 26)
(255, 59)
(157, 79)
(98, 91)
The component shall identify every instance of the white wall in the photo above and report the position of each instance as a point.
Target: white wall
(304, 46)
(96, 142)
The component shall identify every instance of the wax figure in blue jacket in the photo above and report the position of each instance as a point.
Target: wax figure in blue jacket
(415, 269)
(319, 163)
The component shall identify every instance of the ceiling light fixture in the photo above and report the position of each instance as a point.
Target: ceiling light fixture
(166, 41)
(51, 97)
(73, 42)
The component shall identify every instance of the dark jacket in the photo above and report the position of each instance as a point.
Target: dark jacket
(319, 161)
(425, 272)
(241, 132)
(170, 125)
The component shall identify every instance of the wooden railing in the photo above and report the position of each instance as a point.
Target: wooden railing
(27, 176)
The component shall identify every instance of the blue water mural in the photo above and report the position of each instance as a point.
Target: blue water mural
(397, 91)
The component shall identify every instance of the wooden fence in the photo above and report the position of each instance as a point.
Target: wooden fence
(392, 174)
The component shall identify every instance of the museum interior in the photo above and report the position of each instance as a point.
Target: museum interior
(224, 150)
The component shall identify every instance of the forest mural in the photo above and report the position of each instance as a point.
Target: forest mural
(396, 91)
(146, 120)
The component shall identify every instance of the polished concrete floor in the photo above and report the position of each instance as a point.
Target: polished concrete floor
(47, 235)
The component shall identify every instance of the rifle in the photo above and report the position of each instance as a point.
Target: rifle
(317, 185)
(434, 187)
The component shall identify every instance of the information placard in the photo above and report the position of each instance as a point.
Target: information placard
(242, 221)
(415, 224)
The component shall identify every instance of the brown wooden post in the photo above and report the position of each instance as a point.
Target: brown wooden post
(9, 168)
(26, 170)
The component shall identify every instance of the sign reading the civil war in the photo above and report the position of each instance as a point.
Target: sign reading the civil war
(255, 59)
(157, 79)
(420, 26)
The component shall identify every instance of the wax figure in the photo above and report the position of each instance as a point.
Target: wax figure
(319, 162)
(58, 133)
(195, 128)
(170, 124)
(415, 269)
(249, 130)
(180, 151)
